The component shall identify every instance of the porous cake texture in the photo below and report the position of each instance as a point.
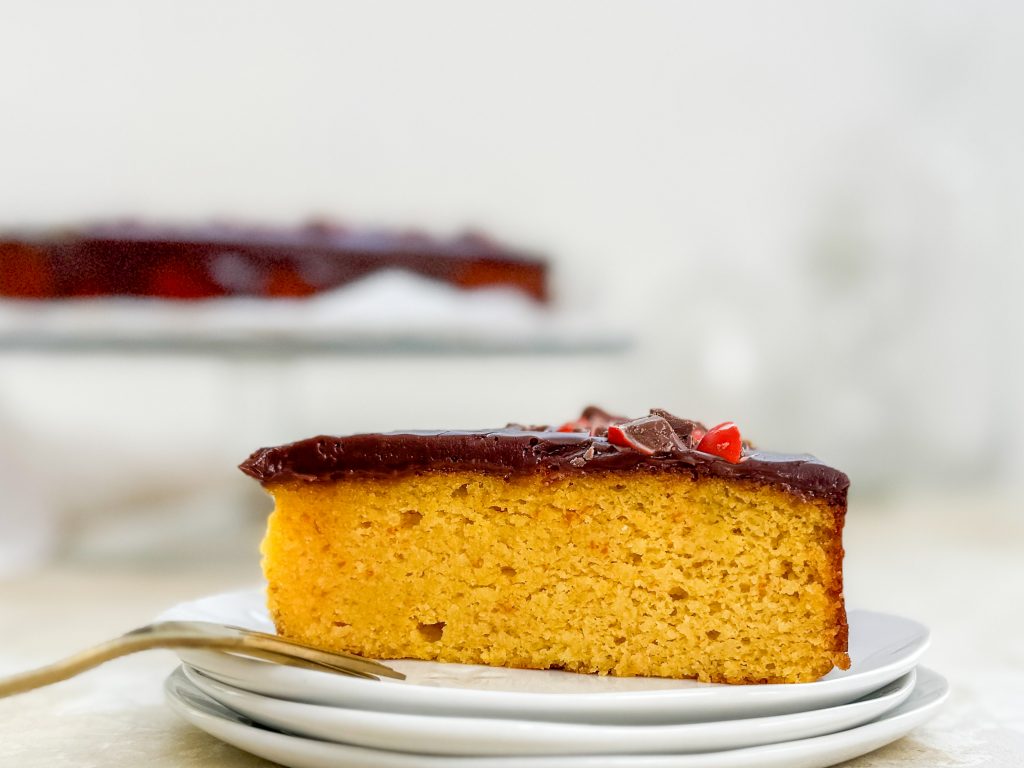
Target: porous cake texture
(562, 550)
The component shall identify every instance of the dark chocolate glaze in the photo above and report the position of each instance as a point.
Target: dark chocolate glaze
(511, 452)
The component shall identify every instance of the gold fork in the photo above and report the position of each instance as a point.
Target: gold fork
(199, 634)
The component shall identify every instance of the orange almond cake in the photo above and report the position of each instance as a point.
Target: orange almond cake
(652, 546)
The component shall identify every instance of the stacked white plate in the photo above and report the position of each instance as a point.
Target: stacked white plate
(486, 717)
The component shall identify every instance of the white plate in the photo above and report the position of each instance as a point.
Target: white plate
(882, 648)
(424, 734)
(928, 695)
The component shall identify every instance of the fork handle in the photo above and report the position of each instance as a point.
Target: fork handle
(72, 665)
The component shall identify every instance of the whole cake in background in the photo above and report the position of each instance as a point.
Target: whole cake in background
(653, 546)
(129, 259)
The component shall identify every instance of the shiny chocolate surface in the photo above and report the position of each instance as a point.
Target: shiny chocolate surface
(513, 451)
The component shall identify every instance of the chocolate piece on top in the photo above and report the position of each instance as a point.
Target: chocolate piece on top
(648, 435)
(689, 432)
(598, 420)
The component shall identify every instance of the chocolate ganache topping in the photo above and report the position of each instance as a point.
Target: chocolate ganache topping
(596, 442)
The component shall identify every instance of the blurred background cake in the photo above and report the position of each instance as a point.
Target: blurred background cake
(214, 261)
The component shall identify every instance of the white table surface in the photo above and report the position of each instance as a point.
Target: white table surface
(957, 565)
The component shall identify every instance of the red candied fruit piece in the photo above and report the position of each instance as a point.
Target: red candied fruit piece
(617, 437)
(723, 440)
(579, 425)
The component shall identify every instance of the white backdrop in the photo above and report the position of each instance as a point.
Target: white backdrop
(808, 213)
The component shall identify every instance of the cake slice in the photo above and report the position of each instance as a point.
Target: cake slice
(651, 546)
